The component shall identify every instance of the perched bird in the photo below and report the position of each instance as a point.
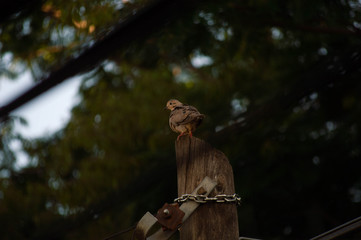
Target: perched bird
(183, 119)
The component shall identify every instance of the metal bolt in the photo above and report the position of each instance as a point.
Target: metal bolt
(166, 212)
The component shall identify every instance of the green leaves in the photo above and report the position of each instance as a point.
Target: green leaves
(258, 71)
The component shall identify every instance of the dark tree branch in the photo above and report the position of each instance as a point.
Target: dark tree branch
(136, 27)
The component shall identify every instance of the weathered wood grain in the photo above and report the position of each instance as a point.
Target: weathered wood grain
(196, 159)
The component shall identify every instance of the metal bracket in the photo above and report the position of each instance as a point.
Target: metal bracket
(147, 222)
(170, 216)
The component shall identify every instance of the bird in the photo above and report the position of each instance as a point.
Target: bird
(183, 118)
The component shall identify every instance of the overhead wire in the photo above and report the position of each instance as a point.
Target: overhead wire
(121, 232)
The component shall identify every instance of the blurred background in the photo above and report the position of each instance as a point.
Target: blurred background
(278, 81)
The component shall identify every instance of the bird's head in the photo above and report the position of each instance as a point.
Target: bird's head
(173, 103)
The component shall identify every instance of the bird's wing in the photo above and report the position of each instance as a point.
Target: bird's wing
(184, 115)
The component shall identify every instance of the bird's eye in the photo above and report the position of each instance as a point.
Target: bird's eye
(170, 103)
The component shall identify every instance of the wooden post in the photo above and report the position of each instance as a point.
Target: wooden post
(196, 159)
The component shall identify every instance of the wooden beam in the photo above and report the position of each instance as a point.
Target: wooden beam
(196, 159)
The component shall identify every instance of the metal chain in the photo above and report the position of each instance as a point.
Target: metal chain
(221, 198)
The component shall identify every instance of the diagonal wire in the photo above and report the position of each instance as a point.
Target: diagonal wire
(121, 232)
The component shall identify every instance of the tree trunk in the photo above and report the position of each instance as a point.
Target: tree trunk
(196, 159)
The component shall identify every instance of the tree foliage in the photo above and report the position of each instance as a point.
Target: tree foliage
(273, 78)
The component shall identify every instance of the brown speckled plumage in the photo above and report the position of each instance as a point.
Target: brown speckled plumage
(183, 119)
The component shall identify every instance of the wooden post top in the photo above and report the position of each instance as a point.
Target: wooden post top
(197, 159)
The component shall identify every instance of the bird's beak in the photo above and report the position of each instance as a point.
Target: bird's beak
(165, 108)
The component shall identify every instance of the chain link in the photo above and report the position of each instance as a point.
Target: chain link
(221, 198)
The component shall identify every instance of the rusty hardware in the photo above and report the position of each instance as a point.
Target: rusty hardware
(166, 214)
(170, 216)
